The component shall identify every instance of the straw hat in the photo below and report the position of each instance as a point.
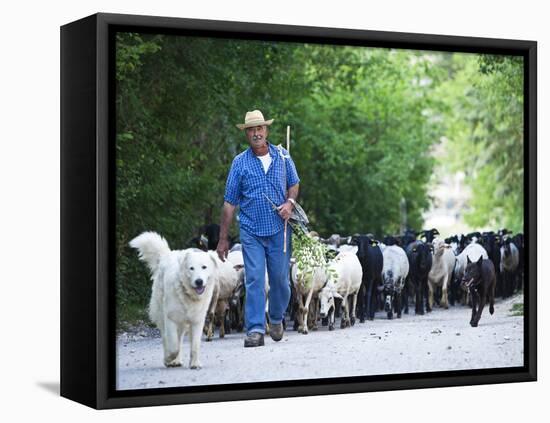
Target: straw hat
(254, 118)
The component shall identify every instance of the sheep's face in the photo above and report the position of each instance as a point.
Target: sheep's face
(438, 246)
(425, 257)
(235, 299)
(505, 249)
(421, 255)
(298, 276)
(326, 302)
(326, 299)
(387, 304)
(454, 246)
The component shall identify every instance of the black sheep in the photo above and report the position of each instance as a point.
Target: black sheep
(420, 264)
(370, 257)
(390, 240)
(429, 234)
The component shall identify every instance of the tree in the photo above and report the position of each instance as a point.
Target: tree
(484, 121)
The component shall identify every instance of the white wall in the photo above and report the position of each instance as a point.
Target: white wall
(29, 166)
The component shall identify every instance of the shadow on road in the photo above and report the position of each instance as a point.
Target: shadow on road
(52, 387)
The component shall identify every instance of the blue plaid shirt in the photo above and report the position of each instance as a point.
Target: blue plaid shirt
(247, 183)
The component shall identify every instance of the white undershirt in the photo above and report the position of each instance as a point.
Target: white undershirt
(266, 161)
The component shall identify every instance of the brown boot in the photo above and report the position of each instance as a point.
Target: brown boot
(277, 332)
(254, 339)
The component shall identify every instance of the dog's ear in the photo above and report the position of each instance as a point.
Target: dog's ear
(182, 258)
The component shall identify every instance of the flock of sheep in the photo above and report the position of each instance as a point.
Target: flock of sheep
(362, 275)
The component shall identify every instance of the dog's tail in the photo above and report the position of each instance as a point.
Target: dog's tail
(151, 247)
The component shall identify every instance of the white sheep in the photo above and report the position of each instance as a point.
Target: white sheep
(235, 256)
(394, 273)
(443, 263)
(307, 285)
(227, 280)
(473, 252)
(509, 260)
(345, 248)
(345, 275)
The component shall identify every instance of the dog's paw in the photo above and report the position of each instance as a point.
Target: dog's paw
(195, 366)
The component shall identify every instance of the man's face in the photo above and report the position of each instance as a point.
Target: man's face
(257, 135)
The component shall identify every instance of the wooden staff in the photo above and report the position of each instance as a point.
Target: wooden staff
(288, 139)
(284, 164)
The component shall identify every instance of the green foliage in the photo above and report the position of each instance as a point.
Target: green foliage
(178, 99)
(311, 256)
(484, 122)
(364, 140)
(517, 309)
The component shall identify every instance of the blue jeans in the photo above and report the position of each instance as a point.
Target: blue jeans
(259, 251)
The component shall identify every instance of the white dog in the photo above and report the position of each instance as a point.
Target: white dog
(183, 282)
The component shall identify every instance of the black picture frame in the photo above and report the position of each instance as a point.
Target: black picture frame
(87, 217)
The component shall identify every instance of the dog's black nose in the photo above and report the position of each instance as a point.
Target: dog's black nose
(198, 282)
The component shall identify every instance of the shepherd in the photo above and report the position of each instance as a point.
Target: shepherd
(261, 176)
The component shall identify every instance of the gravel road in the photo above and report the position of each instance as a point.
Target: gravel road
(441, 340)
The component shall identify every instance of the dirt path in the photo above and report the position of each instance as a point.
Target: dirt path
(441, 340)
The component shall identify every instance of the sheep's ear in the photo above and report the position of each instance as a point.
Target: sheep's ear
(480, 260)
(468, 259)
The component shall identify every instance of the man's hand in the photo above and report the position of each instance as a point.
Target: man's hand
(223, 249)
(285, 210)
(223, 245)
